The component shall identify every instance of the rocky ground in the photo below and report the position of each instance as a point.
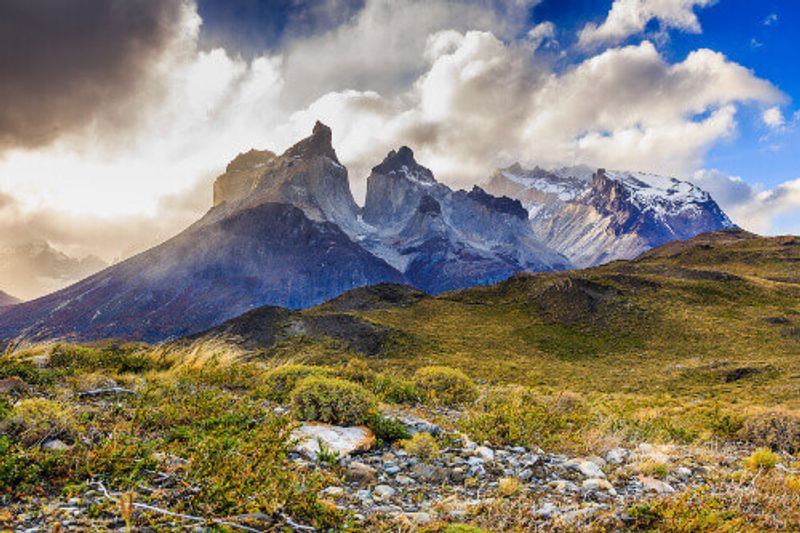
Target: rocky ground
(390, 488)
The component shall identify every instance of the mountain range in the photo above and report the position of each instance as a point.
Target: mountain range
(285, 231)
(596, 216)
(33, 268)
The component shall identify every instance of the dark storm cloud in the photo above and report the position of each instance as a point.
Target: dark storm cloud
(67, 63)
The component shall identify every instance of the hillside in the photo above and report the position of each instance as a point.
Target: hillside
(659, 394)
(6, 299)
(686, 313)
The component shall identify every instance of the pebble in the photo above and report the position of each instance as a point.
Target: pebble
(586, 467)
(485, 453)
(384, 492)
(55, 445)
(650, 484)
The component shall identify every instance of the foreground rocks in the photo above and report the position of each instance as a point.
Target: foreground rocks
(342, 441)
(388, 483)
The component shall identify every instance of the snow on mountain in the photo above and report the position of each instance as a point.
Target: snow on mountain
(595, 217)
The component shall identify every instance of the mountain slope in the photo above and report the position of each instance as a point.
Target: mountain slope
(681, 319)
(6, 299)
(271, 253)
(596, 217)
(444, 239)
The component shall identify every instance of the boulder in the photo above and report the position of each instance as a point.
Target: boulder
(11, 384)
(359, 472)
(340, 440)
(650, 484)
(586, 467)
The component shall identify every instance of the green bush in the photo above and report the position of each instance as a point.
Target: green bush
(762, 458)
(421, 445)
(518, 416)
(281, 381)
(388, 388)
(36, 419)
(386, 430)
(333, 400)
(445, 386)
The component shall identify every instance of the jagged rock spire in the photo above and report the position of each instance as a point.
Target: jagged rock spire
(319, 143)
(400, 159)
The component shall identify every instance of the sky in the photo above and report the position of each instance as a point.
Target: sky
(116, 115)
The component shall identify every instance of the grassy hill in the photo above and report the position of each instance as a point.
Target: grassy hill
(687, 359)
(714, 317)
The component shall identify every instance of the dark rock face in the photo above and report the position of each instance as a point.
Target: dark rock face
(502, 204)
(270, 254)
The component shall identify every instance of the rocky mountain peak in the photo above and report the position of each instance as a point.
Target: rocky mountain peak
(402, 162)
(250, 160)
(502, 204)
(319, 143)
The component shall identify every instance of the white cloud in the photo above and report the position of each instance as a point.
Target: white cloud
(773, 117)
(770, 19)
(543, 35)
(410, 73)
(770, 211)
(630, 17)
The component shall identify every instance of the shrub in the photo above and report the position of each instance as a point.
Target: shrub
(333, 400)
(281, 381)
(388, 388)
(37, 419)
(762, 458)
(654, 468)
(776, 430)
(444, 385)
(422, 445)
(386, 430)
(509, 486)
(517, 416)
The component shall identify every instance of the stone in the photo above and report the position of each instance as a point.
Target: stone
(650, 484)
(420, 518)
(415, 424)
(526, 474)
(384, 492)
(55, 445)
(332, 492)
(429, 473)
(404, 480)
(617, 456)
(391, 468)
(682, 473)
(586, 467)
(340, 440)
(598, 484)
(359, 472)
(485, 453)
(11, 384)
(547, 510)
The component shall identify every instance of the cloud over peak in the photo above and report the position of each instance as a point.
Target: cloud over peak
(631, 17)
